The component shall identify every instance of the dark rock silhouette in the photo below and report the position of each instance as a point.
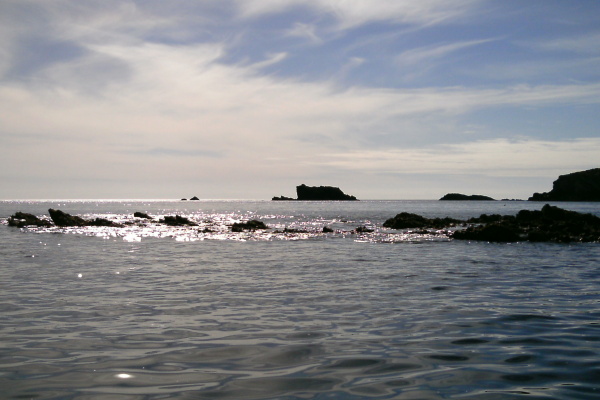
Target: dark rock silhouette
(194, 198)
(578, 186)
(139, 214)
(21, 219)
(459, 196)
(61, 218)
(251, 225)
(550, 224)
(406, 220)
(176, 220)
(317, 193)
(321, 193)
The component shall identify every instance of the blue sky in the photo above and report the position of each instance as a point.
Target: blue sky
(387, 99)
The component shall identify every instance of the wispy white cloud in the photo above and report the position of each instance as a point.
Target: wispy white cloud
(499, 157)
(352, 13)
(307, 31)
(583, 44)
(423, 55)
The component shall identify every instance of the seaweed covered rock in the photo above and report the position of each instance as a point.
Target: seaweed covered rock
(251, 225)
(21, 219)
(578, 186)
(176, 220)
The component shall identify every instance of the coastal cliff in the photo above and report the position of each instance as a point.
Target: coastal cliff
(578, 186)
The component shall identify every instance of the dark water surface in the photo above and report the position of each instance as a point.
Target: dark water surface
(148, 312)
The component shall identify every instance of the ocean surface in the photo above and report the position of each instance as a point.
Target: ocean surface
(156, 312)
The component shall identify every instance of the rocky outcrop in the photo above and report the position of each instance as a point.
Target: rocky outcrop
(459, 196)
(282, 198)
(251, 225)
(550, 224)
(61, 218)
(139, 214)
(176, 220)
(578, 186)
(21, 219)
(406, 220)
(321, 193)
(195, 198)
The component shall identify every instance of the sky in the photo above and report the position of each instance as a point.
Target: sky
(246, 99)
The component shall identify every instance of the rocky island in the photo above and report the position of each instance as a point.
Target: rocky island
(459, 196)
(578, 186)
(312, 193)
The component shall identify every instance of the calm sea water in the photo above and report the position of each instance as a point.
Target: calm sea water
(149, 312)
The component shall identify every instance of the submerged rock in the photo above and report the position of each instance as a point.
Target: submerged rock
(459, 196)
(578, 186)
(251, 225)
(21, 219)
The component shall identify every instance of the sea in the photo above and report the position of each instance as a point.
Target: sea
(149, 311)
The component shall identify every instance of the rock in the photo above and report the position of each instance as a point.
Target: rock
(176, 220)
(194, 198)
(578, 186)
(321, 193)
(61, 218)
(251, 225)
(183, 199)
(491, 233)
(327, 229)
(550, 224)
(281, 198)
(103, 222)
(21, 219)
(459, 196)
(139, 214)
(406, 220)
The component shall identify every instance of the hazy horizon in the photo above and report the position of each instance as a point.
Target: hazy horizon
(246, 99)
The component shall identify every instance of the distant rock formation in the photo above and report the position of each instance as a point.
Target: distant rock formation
(319, 193)
(195, 198)
(578, 186)
(282, 198)
(139, 214)
(459, 196)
